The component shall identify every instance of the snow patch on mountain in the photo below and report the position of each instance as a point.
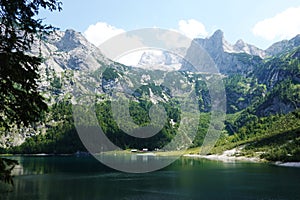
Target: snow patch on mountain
(159, 60)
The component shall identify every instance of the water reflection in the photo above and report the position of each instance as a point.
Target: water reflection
(85, 178)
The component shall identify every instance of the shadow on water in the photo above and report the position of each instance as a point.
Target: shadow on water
(86, 178)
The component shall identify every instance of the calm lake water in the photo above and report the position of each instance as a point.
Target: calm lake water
(69, 178)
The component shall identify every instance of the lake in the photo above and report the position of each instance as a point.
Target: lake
(68, 178)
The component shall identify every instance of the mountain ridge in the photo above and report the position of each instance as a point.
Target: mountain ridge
(283, 46)
(71, 50)
(249, 80)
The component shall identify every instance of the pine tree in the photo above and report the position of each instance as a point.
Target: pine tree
(20, 101)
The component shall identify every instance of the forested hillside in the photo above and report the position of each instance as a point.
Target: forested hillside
(262, 95)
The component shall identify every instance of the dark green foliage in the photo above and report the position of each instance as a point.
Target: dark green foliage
(245, 64)
(277, 69)
(61, 136)
(283, 98)
(145, 90)
(247, 58)
(204, 98)
(268, 126)
(276, 91)
(281, 147)
(110, 74)
(202, 130)
(56, 83)
(276, 137)
(241, 92)
(6, 166)
(20, 101)
(139, 114)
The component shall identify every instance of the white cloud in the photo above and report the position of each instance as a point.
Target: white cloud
(284, 25)
(192, 28)
(100, 32)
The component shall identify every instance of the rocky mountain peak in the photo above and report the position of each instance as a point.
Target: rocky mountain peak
(241, 47)
(217, 40)
(240, 42)
(283, 46)
(70, 50)
(70, 41)
(218, 35)
(215, 43)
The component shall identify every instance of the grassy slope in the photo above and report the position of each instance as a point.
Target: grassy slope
(275, 138)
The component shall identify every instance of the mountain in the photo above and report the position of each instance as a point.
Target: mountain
(281, 75)
(217, 44)
(65, 53)
(229, 59)
(69, 50)
(241, 47)
(283, 46)
(279, 68)
(238, 58)
(241, 58)
(259, 85)
(160, 60)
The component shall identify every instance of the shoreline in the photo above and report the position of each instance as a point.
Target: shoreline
(232, 156)
(226, 157)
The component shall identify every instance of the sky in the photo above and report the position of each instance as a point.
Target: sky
(258, 22)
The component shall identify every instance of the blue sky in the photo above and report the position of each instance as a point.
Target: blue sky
(258, 22)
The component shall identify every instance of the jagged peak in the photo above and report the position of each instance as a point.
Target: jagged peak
(70, 31)
(296, 40)
(239, 42)
(71, 39)
(72, 35)
(296, 37)
(218, 34)
(283, 46)
(240, 45)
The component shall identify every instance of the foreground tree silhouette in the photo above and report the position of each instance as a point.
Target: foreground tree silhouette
(20, 101)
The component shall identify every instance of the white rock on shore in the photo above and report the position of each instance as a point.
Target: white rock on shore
(288, 164)
(227, 156)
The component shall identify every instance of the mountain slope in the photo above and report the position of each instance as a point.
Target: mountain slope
(255, 88)
(69, 50)
(229, 59)
(241, 47)
(281, 75)
(283, 46)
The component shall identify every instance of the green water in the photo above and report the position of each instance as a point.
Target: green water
(70, 178)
